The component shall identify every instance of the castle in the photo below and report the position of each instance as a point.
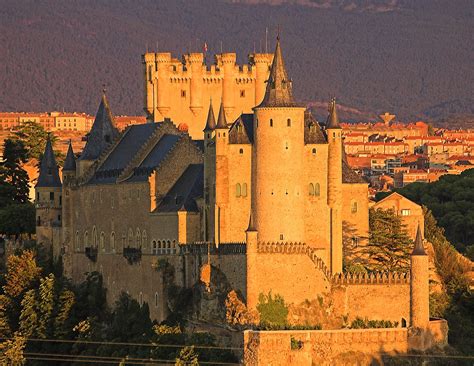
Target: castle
(265, 201)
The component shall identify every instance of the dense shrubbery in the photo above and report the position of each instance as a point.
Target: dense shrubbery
(359, 323)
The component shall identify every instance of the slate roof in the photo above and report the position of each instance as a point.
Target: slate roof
(221, 120)
(102, 133)
(49, 172)
(278, 92)
(333, 119)
(419, 248)
(241, 131)
(183, 194)
(70, 162)
(312, 130)
(211, 119)
(348, 175)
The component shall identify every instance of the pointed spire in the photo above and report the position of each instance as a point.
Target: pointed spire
(279, 89)
(211, 120)
(102, 133)
(419, 249)
(221, 120)
(70, 162)
(332, 121)
(49, 172)
(251, 226)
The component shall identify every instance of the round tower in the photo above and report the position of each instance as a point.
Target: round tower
(149, 71)
(228, 63)
(419, 285)
(277, 164)
(195, 61)
(162, 88)
(262, 62)
(334, 135)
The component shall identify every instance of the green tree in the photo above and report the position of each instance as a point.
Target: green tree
(11, 351)
(62, 322)
(273, 311)
(389, 246)
(5, 330)
(22, 273)
(12, 174)
(34, 136)
(17, 219)
(28, 321)
(45, 305)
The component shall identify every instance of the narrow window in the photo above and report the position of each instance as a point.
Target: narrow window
(154, 247)
(355, 242)
(59, 218)
(354, 206)
(288, 122)
(140, 299)
(242, 93)
(102, 241)
(183, 93)
(156, 299)
(244, 190)
(78, 244)
(317, 189)
(311, 189)
(314, 151)
(271, 123)
(237, 190)
(51, 196)
(112, 242)
(281, 236)
(144, 239)
(241, 151)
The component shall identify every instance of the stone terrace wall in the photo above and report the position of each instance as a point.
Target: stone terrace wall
(381, 296)
(322, 347)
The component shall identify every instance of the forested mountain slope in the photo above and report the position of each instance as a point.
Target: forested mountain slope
(410, 58)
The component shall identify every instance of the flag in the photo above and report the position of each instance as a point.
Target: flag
(205, 47)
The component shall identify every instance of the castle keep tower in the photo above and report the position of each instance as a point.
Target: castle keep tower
(48, 198)
(334, 135)
(277, 164)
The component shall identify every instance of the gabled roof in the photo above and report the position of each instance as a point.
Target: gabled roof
(241, 131)
(312, 130)
(278, 92)
(70, 162)
(102, 133)
(182, 196)
(49, 172)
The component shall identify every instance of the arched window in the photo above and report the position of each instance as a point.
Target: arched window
(144, 239)
(314, 151)
(173, 246)
(353, 206)
(138, 240)
(317, 189)
(271, 122)
(112, 242)
(237, 190)
(156, 299)
(241, 151)
(86, 239)
(311, 189)
(244, 190)
(168, 247)
(130, 238)
(154, 247)
(160, 247)
(94, 237)
(78, 243)
(140, 298)
(102, 241)
(288, 122)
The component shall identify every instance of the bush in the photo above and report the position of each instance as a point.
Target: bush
(359, 323)
(273, 311)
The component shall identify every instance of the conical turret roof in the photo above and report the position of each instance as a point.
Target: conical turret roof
(102, 133)
(221, 120)
(333, 120)
(70, 162)
(419, 249)
(49, 172)
(211, 120)
(279, 89)
(251, 226)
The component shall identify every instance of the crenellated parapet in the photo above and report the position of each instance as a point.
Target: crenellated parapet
(372, 278)
(202, 248)
(294, 248)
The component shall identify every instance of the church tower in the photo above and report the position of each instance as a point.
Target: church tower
(334, 136)
(48, 197)
(101, 135)
(277, 161)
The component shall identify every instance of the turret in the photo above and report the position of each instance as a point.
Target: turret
(195, 61)
(162, 88)
(148, 61)
(277, 164)
(209, 174)
(334, 135)
(101, 135)
(419, 285)
(262, 63)
(228, 63)
(69, 168)
(48, 197)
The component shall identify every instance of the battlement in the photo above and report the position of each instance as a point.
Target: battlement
(375, 278)
(202, 248)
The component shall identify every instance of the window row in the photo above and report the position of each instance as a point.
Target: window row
(314, 189)
(241, 190)
(288, 122)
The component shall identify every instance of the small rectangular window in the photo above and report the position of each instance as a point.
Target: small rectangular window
(183, 93)
(405, 212)
(242, 93)
(51, 196)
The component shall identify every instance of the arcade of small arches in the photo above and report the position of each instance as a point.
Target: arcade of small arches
(135, 239)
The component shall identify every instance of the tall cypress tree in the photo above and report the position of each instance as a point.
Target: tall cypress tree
(14, 182)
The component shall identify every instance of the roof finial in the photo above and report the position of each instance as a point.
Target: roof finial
(278, 32)
(104, 89)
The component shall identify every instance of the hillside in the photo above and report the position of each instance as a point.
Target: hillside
(410, 58)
